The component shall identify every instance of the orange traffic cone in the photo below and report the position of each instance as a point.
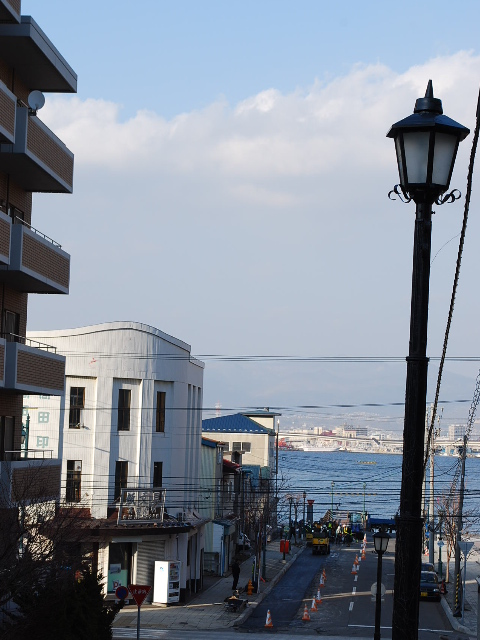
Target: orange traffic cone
(305, 617)
(364, 538)
(314, 605)
(355, 562)
(319, 597)
(354, 569)
(249, 588)
(268, 621)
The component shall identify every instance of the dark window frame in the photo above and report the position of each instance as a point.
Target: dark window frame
(160, 412)
(158, 474)
(124, 402)
(73, 486)
(77, 405)
(121, 477)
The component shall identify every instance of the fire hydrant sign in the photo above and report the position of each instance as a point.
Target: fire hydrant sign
(139, 592)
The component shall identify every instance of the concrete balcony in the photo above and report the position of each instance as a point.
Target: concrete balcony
(10, 11)
(8, 111)
(26, 48)
(37, 160)
(2, 362)
(31, 369)
(37, 263)
(25, 479)
(5, 238)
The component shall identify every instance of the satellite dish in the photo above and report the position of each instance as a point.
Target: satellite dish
(36, 100)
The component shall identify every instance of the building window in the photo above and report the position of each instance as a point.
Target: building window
(160, 418)
(247, 447)
(157, 474)
(11, 326)
(74, 480)
(121, 477)
(124, 396)
(77, 404)
(236, 446)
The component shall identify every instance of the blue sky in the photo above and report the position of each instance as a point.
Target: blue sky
(231, 180)
(179, 55)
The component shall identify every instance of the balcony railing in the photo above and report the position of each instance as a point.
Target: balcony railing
(37, 263)
(29, 454)
(13, 337)
(37, 160)
(33, 367)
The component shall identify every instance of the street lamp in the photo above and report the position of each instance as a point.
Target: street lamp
(304, 498)
(380, 540)
(426, 144)
(333, 484)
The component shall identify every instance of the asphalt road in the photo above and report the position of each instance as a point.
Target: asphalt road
(348, 606)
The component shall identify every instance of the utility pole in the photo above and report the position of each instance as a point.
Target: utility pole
(459, 527)
(431, 540)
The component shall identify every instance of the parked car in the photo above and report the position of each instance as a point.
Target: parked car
(429, 587)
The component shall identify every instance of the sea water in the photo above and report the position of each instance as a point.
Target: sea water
(357, 481)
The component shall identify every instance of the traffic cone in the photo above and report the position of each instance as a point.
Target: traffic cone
(355, 562)
(314, 605)
(324, 576)
(364, 557)
(322, 582)
(319, 597)
(364, 538)
(268, 621)
(305, 617)
(354, 569)
(249, 588)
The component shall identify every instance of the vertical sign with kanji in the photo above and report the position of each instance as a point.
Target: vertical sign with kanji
(139, 593)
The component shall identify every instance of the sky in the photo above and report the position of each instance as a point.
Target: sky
(230, 189)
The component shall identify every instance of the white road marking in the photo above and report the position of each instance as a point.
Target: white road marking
(351, 606)
(355, 579)
(354, 589)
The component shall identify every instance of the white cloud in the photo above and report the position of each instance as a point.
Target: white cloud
(327, 128)
(207, 224)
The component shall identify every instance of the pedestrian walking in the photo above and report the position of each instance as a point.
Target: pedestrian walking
(235, 574)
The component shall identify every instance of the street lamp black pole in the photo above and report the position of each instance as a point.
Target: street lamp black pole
(304, 498)
(426, 145)
(380, 541)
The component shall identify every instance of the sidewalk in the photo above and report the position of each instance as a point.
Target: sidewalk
(207, 611)
(469, 624)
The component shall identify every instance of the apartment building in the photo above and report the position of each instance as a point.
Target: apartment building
(32, 159)
(128, 432)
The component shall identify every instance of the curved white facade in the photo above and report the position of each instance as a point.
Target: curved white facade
(136, 362)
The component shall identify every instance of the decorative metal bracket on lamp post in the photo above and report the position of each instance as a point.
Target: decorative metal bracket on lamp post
(426, 144)
(380, 540)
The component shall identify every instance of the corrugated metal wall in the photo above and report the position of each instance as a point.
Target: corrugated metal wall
(147, 553)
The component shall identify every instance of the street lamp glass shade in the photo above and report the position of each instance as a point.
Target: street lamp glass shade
(380, 540)
(426, 145)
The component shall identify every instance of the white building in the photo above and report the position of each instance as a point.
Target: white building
(456, 432)
(131, 418)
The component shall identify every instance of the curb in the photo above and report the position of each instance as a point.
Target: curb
(248, 612)
(454, 622)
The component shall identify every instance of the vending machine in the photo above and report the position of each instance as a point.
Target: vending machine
(166, 585)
